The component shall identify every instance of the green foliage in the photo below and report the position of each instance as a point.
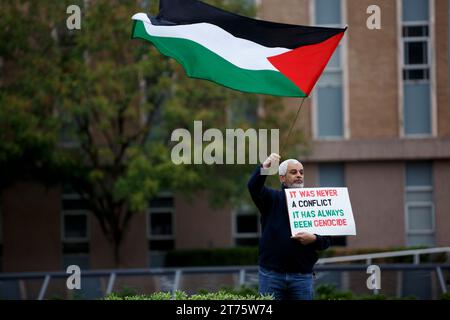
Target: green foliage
(29, 89)
(181, 295)
(126, 291)
(445, 296)
(322, 292)
(222, 295)
(241, 291)
(328, 292)
(212, 257)
(95, 109)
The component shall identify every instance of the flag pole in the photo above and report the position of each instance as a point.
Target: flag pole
(292, 126)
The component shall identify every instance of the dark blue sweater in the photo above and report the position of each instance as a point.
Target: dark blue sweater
(277, 251)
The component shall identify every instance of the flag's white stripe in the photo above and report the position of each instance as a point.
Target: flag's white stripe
(241, 52)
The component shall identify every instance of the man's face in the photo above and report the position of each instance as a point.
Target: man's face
(294, 177)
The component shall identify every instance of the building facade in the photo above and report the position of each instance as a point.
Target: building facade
(378, 122)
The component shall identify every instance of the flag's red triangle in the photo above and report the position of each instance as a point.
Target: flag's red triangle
(304, 65)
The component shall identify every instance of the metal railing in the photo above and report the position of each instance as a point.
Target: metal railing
(241, 271)
(391, 254)
(113, 274)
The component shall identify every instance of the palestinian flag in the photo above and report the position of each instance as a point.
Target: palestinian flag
(239, 52)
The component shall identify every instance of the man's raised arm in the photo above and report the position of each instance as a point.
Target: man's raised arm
(256, 183)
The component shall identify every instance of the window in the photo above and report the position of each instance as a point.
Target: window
(251, 2)
(328, 12)
(333, 175)
(68, 131)
(75, 235)
(246, 226)
(75, 229)
(160, 228)
(75, 219)
(243, 112)
(416, 68)
(329, 99)
(66, 40)
(419, 204)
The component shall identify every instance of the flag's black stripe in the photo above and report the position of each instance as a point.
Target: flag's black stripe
(269, 34)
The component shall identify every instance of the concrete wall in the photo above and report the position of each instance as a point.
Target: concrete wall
(372, 72)
(134, 249)
(441, 189)
(441, 51)
(31, 228)
(198, 225)
(377, 194)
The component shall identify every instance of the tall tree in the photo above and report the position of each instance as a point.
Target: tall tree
(96, 109)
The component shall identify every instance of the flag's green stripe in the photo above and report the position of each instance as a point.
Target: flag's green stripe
(200, 62)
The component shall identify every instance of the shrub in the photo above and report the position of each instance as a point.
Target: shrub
(241, 291)
(181, 295)
(328, 292)
(323, 292)
(212, 257)
(127, 291)
(445, 296)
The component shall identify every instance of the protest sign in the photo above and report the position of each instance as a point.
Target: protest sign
(323, 211)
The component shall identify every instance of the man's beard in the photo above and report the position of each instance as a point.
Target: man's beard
(294, 185)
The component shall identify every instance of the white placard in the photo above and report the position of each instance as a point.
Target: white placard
(323, 211)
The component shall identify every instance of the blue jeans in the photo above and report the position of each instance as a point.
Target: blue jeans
(286, 286)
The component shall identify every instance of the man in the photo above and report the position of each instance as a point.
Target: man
(285, 262)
